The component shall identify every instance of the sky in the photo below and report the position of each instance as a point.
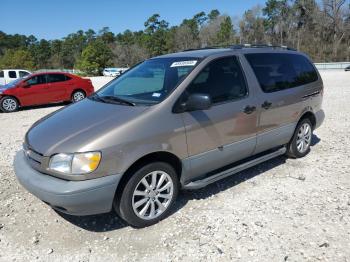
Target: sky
(54, 19)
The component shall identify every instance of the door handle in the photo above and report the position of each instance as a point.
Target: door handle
(249, 109)
(266, 105)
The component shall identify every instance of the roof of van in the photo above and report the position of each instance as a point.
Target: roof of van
(14, 69)
(205, 52)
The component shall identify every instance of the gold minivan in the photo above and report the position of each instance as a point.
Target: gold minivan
(177, 121)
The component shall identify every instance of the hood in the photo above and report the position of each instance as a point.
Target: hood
(10, 85)
(5, 87)
(74, 127)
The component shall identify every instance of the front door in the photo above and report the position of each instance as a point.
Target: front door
(34, 93)
(227, 131)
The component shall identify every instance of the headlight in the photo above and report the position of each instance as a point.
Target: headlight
(78, 163)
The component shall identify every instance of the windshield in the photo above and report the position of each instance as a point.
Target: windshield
(151, 81)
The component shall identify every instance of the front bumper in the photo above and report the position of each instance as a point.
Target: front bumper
(88, 197)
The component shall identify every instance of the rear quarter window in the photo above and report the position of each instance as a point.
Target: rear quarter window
(276, 71)
(1, 74)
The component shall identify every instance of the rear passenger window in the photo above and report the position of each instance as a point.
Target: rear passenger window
(281, 71)
(52, 78)
(12, 74)
(222, 79)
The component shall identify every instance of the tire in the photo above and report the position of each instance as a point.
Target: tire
(9, 104)
(145, 201)
(78, 95)
(300, 144)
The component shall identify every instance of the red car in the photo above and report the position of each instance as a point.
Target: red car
(43, 88)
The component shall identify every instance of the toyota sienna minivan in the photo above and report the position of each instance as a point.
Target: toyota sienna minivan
(177, 121)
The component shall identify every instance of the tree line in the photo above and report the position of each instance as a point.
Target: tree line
(320, 29)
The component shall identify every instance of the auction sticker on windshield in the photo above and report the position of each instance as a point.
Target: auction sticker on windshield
(184, 63)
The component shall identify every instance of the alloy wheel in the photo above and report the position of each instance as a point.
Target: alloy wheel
(77, 96)
(304, 138)
(153, 195)
(9, 104)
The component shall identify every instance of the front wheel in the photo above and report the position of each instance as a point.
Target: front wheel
(9, 104)
(148, 195)
(77, 96)
(300, 144)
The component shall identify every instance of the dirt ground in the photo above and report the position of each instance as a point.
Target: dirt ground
(281, 210)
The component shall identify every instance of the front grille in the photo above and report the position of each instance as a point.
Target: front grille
(34, 158)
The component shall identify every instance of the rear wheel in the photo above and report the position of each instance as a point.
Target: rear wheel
(148, 195)
(300, 144)
(77, 96)
(9, 104)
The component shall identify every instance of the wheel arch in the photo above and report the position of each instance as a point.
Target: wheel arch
(12, 96)
(78, 89)
(309, 115)
(159, 156)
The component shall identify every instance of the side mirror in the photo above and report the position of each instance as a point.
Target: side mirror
(25, 85)
(194, 102)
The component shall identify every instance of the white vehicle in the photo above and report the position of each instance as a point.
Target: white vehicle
(8, 75)
(122, 70)
(111, 72)
(114, 71)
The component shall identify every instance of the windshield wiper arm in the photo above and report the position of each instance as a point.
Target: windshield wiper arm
(96, 97)
(116, 99)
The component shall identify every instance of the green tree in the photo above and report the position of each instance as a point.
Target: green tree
(106, 35)
(277, 12)
(156, 35)
(305, 12)
(72, 48)
(189, 30)
(90, 35)
(56, 54)
(226, 33)
(17, 59)
(94, 58)
(213, 14)
(153, 24)
(41, 54)
(252, 27)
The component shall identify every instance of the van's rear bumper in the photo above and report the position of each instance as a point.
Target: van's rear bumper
(320, 116)
(86, 197)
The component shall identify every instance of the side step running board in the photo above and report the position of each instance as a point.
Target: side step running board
(229, 172)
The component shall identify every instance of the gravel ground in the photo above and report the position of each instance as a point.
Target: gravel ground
(281, 210)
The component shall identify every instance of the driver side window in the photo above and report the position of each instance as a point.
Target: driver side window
(37, 80)
(222, 79)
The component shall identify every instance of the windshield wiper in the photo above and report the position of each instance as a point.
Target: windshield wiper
(116, 99)
(96, 97)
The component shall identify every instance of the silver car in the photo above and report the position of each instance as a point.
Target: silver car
(177, 121)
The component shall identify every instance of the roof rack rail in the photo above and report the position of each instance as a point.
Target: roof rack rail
(241, 46)
(261, 46)
(201, 48)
